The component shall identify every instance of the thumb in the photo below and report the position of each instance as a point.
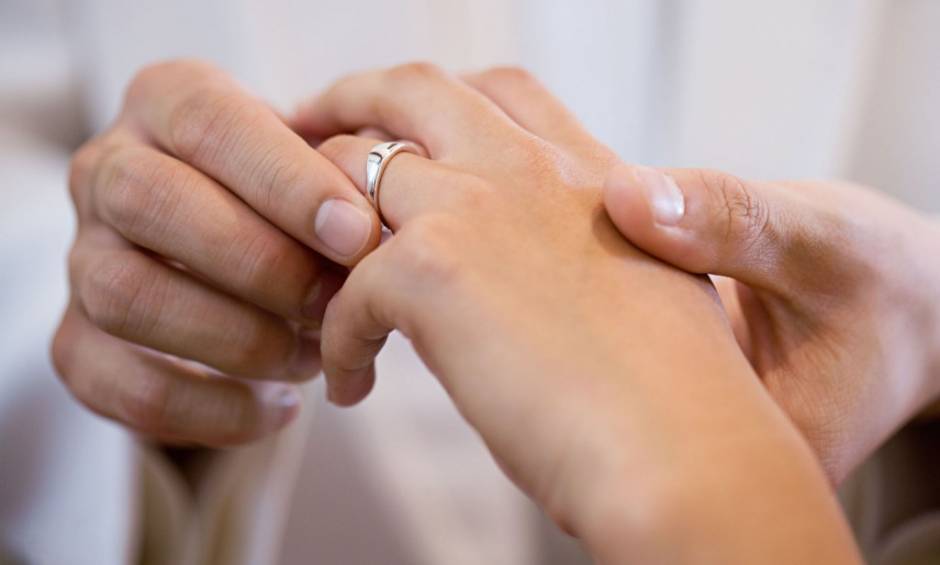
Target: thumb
(704, 221)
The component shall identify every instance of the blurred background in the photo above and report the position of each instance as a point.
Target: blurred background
(796, 89)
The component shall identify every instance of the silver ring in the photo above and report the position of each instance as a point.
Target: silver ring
(377, 161)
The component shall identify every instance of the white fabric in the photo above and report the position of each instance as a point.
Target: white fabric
(786, 89)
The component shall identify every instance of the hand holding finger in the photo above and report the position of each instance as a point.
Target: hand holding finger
(201, 117)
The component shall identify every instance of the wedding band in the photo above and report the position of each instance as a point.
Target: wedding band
(377, 161)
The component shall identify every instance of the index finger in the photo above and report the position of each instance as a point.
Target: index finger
(201, 116)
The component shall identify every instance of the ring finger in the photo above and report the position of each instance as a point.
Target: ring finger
(411, 185)
(417, 101)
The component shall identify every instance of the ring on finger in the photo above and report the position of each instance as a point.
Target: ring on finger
(377, 161)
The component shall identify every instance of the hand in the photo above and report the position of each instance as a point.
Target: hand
(837, 300)
(198, 211)
(607, 385)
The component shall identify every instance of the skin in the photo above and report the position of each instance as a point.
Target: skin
(200, 267)
(153, 289)
(833, 292)
(567, 349)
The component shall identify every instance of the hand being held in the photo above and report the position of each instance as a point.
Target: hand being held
(607, 384)
(837, 293)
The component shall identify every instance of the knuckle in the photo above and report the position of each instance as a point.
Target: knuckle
(541, 157)
(86, 387)
(337, 146)
(419, 79)
(472, 193)
(416, 71)
(276, 176)
(260, 259)
(118, 294)
(743, 214)
(82, 168)
(508, 75)
(62, 352)
(156, 74)
(137, 194)
(429, 250)
(143, 79)
(146, 404)
(204, 123)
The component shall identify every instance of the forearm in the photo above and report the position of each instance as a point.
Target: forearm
(694, 462)
(689, 460)
(758, 498)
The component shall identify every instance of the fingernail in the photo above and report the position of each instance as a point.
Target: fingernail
(666, 200)
(342, 227)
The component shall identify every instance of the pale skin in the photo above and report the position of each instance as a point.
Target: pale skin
(523, 299)
(568, 350)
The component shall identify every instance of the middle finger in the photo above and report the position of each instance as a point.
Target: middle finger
(417, 101)
(142, 300)
(170, 208)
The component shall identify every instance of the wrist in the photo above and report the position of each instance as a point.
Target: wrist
(758, 497)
